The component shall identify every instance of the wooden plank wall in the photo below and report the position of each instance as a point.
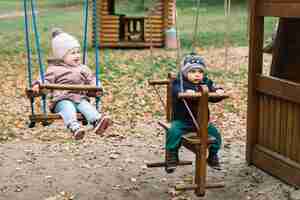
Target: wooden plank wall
(108, 29)
(154, 26)
(279, 127)
(279, 116)
(171, 11)
(109, 24)
(155, 21)
(273, 123)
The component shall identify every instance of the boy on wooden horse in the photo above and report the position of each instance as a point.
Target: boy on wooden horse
(191, 78)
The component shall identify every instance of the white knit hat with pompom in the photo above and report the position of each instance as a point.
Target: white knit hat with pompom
(62, 43)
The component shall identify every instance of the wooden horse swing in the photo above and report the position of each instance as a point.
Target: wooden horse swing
(44, 117)
(197, 142)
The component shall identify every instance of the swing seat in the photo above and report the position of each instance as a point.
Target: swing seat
(44, 87)
(47, 119)
(51, 117)
(196, 142)
(189, 137)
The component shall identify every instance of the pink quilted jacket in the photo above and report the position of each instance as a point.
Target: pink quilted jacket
(61, 73)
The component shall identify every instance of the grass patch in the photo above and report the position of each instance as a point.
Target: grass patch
(212, 30)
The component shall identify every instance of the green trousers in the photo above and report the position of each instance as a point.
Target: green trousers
(179, 128)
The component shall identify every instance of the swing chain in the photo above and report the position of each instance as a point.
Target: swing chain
(179, 55)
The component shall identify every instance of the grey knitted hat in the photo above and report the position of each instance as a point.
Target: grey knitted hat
(192, 61)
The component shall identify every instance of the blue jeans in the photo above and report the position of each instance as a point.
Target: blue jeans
(68, 109)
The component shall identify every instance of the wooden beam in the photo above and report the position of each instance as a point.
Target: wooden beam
(154, 20)
(163, 164)
(278, 8)
(194, 186)
(109, 26)
(70, 87)
(109, 31)
(155, 17)
(201, 151)
(50, 116)
(189, 95)
(116, 22)
(158, 82)
(255, 67)
(109, 39)
(110, 17)
(280, 88)
(278, 165)
(169, 96)
(109, 35)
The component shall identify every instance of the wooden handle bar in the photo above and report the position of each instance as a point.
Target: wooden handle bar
(159, 82)
(189, 95)
(50, 116)
(70, 87)
(216, 95)
(195, 186)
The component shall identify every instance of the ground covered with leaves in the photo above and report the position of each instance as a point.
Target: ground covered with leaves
(45, 163)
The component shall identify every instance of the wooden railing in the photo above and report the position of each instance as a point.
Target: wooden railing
(277, 87)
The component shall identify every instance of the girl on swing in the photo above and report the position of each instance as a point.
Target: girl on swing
(193, 72)
(66, 68)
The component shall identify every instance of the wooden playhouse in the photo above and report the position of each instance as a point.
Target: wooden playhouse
(119, 30)
(273, 126)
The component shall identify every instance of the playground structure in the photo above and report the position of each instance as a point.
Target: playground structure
(118, 30)
(273, 128)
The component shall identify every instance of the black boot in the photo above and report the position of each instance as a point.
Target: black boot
(213, 161)
(171, 161)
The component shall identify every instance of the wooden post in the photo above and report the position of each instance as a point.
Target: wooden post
(255, 67)
(201, 152)
(169, 99)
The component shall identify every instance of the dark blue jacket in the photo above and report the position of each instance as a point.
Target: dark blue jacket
(180, 111)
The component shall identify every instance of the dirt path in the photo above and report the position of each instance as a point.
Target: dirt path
(114, 168)
(42, 163)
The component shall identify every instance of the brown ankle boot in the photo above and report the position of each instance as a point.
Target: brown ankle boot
(171, 161)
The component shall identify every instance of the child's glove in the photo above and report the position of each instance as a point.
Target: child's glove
(220, 91)
(95, 94)
(219, 97)
(190, 91)
(99, 93)
(36, 89)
